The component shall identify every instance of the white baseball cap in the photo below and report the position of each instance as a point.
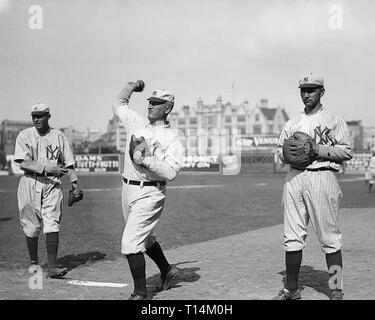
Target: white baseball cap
(311, 81)
(161, 95)
(39, 108)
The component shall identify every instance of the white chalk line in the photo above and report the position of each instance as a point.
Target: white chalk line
(97, 284)
(352, 179)
(198, 186)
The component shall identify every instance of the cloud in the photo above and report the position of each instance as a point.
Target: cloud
(4, 5)
(304, 24)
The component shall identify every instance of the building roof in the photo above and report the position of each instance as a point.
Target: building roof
(16, 122)
(285, 115)
(269, 113)
(354, 122)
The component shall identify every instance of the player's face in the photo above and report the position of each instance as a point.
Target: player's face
(40, 121)
(311, 96)
(157, 111)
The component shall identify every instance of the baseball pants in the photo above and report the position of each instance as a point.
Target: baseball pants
(315, 196)
(39, 200)
(142, 207)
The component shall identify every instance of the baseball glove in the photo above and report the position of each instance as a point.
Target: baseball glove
(75, 195)
(299, 150)
(138, 149)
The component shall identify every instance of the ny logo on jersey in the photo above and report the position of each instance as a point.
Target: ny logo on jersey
(54, 153)
(322, 135)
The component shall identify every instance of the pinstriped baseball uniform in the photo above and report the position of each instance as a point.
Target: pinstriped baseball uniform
(143, 205)
(314, 194)
(40, 197)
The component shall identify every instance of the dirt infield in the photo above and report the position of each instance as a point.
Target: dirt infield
(242, 267)
(223, 233)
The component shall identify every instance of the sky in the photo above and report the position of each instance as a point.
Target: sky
(76, 55)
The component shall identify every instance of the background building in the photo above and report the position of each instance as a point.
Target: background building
(369, 138)
(356, 130)
(9, 129)
(201, 124)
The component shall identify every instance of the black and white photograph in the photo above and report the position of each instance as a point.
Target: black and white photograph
(191, 152)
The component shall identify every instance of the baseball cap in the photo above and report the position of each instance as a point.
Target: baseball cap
(311, 81)
(161, 95)
(39, 108)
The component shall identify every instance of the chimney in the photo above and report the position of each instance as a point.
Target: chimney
(185, 109)
(219, 100)
(199, 103)
(264, 103)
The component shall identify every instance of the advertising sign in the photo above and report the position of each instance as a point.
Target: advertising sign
(97, 163)
(209, 163)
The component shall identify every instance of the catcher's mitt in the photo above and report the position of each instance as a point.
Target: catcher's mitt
(75, 195)
(138, 149)
(299, 150)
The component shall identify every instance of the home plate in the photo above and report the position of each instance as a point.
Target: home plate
(97, 284)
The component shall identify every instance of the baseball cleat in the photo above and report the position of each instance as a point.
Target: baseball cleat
(56, 273)
(336, 295)
(285, 294)
(135, 296)
(172, 274)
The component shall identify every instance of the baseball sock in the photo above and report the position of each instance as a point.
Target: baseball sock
(137, 266)
(155, 252)
(335, 259)
(32, 247)
(293, 261)
(52, 244)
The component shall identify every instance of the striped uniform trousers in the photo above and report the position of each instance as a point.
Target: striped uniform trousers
(311, 196)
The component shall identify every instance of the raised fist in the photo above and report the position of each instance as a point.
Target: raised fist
(139, 86)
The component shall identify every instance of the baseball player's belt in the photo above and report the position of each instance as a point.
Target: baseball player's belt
(315, 169)
(36, 174)
(144, 183)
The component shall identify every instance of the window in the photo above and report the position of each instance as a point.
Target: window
(228, 118)
(257, 129)
(241, 118)
(210, 120)
(193, 120)
(242, 130)
(256, 117)
(181, 121)
(270, 128)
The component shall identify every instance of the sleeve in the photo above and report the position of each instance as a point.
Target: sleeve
(169, 167)
(285, 134)
(67, 152)
(341, 148)
(22, 149)
(128, 118)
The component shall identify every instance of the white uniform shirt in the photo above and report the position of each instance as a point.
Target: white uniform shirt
(52, 148)
(329, 131)
(163, 142)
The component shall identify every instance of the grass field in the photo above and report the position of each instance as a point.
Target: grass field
(198, 208)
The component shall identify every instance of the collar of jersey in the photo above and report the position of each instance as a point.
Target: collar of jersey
(166, 125)
(312, 112)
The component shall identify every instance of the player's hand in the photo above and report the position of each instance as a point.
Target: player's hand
(57, 171)
(130, 87)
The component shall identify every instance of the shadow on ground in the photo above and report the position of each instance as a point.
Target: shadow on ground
(312, 278)
(186, 275)
(72, 261)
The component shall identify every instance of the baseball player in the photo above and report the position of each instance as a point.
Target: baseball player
(313, 193)
(152, 157)
(44, 155)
